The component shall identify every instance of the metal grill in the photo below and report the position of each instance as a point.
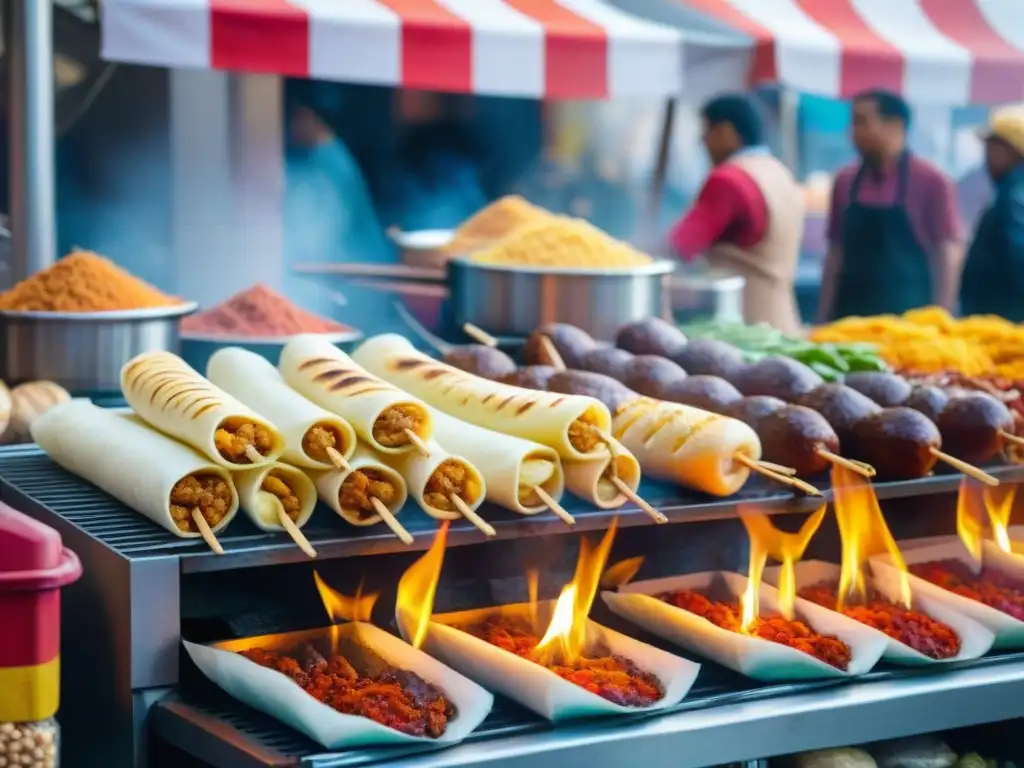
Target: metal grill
(201, 708)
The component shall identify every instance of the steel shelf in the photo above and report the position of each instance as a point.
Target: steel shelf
(725, 719)
(31, 482)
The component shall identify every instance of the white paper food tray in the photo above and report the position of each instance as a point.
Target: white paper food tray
(278, 696)
(751, 656)
(1008, 631)
(538, 688)
(975, 640)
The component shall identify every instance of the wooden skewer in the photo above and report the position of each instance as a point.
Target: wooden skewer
(293, 530)
(389, 520)
(551, 353)
(1011, 438)
(962, 466)
(253, 455)
(337, 459)
(865, 470)
(472, 516)
(204, 530)
(794, 482)
(788, 471)
(554, 506)
(630, 494)
(479, 335)
(417, 441)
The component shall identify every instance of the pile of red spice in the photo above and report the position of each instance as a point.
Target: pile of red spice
(258, 312)
(614, 678)
(921, 632)
(990, 587)
(773, 627)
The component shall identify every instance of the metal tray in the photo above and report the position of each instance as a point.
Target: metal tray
(226, 734)
(29, 481)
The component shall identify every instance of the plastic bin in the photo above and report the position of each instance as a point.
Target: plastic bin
(34, 565)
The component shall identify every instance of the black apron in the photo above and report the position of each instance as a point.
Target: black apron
(885, 270)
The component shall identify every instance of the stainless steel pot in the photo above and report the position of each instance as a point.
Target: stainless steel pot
(513, 301)
(83, 351)
(708, 294)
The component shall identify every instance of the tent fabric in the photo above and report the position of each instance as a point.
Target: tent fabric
(553, 49)
(947, 52)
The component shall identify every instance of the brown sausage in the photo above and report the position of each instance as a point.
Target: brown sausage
(570, 342)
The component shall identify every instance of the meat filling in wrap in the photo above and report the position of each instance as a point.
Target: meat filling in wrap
(318, 439)
(360, 486)
(233, 436)
(210, 494)
(451, 477)
(584, 433)
(277, 485)
(389, 428)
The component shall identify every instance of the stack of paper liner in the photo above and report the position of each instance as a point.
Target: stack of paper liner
(975, 639)
(534, 686)
(276, 695)
(1008, 631)
(752, 656)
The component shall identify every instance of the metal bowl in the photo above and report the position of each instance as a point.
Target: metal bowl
(198, 348)
(423, 248)
(514, 301)
(708, 294)
(84, 351)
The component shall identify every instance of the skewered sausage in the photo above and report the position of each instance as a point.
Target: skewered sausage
(841, 406)
(898, 442)
(928, 400)
(610, 361)
(650, 336)
(778, 377)
(886, 389)
(612, 393)
(709, 357)
(753, 410)
(972, 427)
(530, 377)
(794, 436)
(481, 360)
(708, 392)
(651, 374)
(570, 342)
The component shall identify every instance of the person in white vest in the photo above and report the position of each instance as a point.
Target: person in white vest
(749, 215)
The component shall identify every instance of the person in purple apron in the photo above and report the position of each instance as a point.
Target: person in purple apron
(895, 239)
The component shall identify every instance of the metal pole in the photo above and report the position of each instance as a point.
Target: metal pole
(28, 33)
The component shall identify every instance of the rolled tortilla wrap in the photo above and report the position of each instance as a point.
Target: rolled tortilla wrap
(137, 465)
(256, 494)
(686, 445)
(420, 473)
(320, 371)
(329, 486)
(306, 427)
(589, 479)
(171, 396)
(511, 467)
(562, 422)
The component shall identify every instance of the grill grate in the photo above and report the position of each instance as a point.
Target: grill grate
(200, 707)
(37, 486)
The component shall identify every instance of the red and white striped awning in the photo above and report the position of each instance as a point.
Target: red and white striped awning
(557, 49)
(931, 51)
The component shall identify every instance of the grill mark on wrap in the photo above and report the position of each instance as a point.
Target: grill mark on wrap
(327, 376)
(434, 373)
(697, 428)
(506, 401)
(525, 407)
(556, 403)
(408, 364)
(314, 361)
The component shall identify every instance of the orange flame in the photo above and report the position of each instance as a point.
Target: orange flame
(976, 505)
(999, 506)
(566, 635)
(341, 607)
(864, 533)
(786, 548)
(532, 589)
(414, 604)
(621, 573)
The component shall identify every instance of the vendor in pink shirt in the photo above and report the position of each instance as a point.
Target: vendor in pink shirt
(894, 236)
(749, 215)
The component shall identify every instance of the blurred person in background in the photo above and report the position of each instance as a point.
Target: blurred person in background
(993, 279)
(749, 215)
(894, 234)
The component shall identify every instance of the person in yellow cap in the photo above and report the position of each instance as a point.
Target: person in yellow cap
(993, 278)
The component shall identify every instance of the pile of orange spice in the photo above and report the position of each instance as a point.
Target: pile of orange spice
(258, 312)
(83, 282)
